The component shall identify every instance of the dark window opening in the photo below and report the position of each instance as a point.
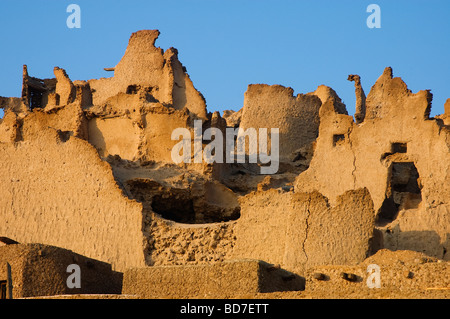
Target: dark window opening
(338, 139)
(3, 289)
(35, 99)
(178, 205)
(64, 136)
(132, 89)
(403, 191)
(399, 147)
(57, 99)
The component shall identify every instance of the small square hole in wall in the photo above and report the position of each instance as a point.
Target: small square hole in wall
(338, 139)
(57, 99)
(399, 147)
(132, 89)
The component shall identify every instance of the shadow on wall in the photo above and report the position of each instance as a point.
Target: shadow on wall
(179, 90)
(446, 248)
(203, 203)
(96, 138)
(427, 241)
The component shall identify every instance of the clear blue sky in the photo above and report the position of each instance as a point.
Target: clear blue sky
(226, 45)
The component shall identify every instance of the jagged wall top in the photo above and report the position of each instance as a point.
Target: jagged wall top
(388, 95)
(142, 62)
(145, 65)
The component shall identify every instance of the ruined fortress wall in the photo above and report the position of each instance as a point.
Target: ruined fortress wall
(60, 186)
(9, 128)
(80, 207)
(399, 271)
(275, 106)
(329, 160)
(143, 64)
(220, 280)
(12, 103)
(350, 156)
(298, 231)
(359, 158)
(69, 119)
(184, 93)
(134, 129)
(115, 136)
(138, 135)
(336, 234)
(159, 125)
(261, 232)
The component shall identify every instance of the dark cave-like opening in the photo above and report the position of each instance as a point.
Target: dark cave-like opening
(403, 191)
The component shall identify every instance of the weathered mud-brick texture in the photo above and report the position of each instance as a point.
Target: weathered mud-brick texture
(41, 270)
(399, 154)
(275, 106)
(399, 271)
(78, 206)
(148, 66)
(214, 280)
(302, 230)
(87, 166)
(170, 243)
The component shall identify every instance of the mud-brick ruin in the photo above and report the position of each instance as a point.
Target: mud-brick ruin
(87, 178)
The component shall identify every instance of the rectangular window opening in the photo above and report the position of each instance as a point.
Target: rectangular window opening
(399, 147)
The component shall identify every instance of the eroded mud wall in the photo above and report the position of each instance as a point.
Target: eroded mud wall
(60, 193)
